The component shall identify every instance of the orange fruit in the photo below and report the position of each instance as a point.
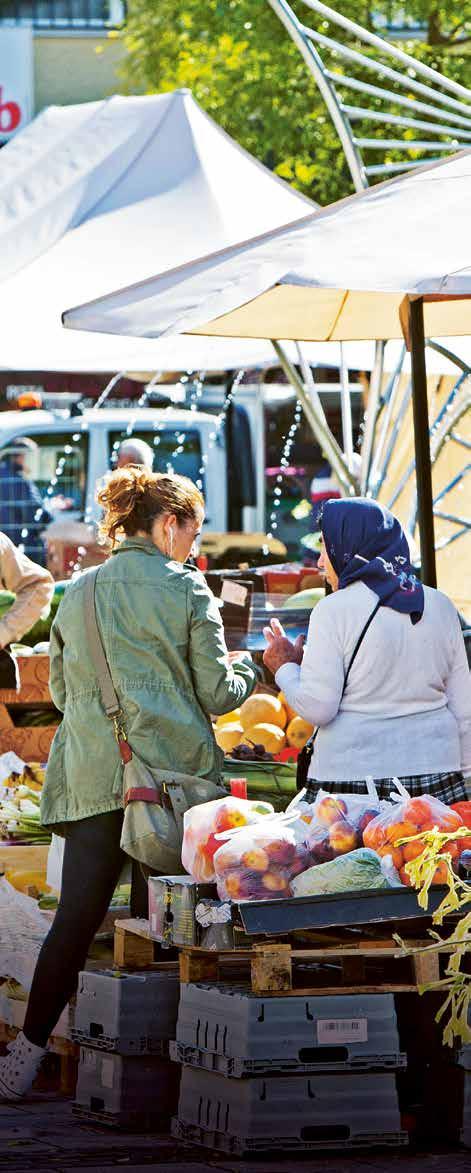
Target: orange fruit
(404, 878)
(441, 874)
(418, 810)
(449, 821)
(401, 830)
(395, 854)
(412, 850)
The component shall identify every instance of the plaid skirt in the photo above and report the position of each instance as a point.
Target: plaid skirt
(447, 787)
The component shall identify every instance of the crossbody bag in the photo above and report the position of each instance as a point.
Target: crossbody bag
(154, 800)
(305, 756)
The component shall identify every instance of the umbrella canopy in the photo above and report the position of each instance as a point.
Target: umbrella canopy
(102, 193)
(339, 275)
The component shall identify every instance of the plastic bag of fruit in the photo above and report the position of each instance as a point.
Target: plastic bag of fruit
(259, 862)
(202, 823)
(339, 821)
(403, 819)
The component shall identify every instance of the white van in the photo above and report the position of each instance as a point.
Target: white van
(70, 453)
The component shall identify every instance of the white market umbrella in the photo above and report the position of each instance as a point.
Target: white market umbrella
(343, 274)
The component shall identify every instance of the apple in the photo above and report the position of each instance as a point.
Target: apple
(255, 860)
(281, 851)
(330, 809)
(366, 818)
(322, 852)
(342, 837)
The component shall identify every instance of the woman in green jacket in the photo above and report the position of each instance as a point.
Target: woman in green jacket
(164, 641)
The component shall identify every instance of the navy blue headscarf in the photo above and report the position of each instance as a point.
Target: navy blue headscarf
(365, 543)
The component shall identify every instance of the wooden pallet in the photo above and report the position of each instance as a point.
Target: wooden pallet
(274, 968)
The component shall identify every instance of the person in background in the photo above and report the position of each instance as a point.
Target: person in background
(22, 513)
(34, 588)
(406, 709)
(135, 452)
(163, 637)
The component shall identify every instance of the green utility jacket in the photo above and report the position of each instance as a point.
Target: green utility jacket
(164, 641)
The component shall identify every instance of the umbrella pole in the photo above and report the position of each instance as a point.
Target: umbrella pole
(423, 468)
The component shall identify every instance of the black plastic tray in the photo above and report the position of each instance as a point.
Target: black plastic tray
(322, 912)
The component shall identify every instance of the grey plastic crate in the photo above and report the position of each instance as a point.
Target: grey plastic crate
(131, 1013)
(125, 1091)
(236, 1033)
(284, 1113)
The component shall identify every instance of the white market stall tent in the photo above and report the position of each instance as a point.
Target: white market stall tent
(100, 193)
(393, 259)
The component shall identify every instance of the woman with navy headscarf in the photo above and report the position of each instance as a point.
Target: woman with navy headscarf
(405, 710)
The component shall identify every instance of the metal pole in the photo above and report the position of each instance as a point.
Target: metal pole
(316, 419)
(346, 406)
(423, 468)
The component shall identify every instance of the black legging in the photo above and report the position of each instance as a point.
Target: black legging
(93, 861)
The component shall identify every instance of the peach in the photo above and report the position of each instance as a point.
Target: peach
(275, 882)
(374, 835)
(255, 860)
(453, 848)
(342, 837)
(449, 821)
(228, 817)
(233, 885)
(405, 878)
(281, 851)
(330, 809)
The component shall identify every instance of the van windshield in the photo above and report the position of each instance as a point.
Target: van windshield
(175, 449)
(42, 475)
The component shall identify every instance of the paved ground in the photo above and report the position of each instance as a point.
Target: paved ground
(42, 1135)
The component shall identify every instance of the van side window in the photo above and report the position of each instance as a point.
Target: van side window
(42, 476)
(175, 449)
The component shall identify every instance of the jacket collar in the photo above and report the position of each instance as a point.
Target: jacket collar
(144, 544)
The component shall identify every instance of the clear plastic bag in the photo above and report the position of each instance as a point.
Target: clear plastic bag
(339, 821)
(405, 817)
(203, 823)
(259, 862)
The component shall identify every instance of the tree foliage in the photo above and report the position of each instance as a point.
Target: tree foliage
(245, 71)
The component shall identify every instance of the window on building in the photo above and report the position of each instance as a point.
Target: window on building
(175, 449)
(70, 14)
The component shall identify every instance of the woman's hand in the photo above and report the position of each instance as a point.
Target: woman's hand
(280, 649)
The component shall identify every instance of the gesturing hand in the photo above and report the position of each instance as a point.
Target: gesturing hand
(280, 649)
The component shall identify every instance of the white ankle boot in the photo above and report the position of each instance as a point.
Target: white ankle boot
(19, 1068)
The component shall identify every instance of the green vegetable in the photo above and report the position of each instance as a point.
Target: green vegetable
(304, 599)
(354, 871)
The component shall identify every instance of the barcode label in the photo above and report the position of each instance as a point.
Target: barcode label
(342, 1030)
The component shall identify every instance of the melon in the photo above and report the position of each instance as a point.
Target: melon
(270, 736)
(263, 708)
(290, 713)
(228, 736)
(304, 600)
(228, 718)
(298, 732)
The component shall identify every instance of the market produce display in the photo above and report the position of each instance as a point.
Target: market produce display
(392, 833)
(202, 824)
(20, 807)
(260, 862)
(264, 724)
(360, 869)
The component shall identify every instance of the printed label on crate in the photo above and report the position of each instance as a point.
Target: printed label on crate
(107, 1073)
(342, 1030)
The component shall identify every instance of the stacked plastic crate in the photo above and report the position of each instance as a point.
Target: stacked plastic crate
(124, 1022)
(307, 1071)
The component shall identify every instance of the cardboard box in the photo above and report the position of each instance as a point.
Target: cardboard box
(172, 904)
(31, 742)
(34, 683)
